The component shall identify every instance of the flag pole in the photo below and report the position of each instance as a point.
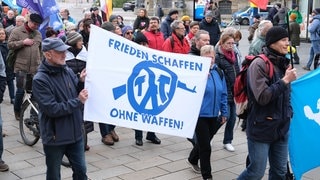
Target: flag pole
(288, 28)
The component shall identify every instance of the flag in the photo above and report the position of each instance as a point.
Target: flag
(146, 89)
(48, 10)
(106, 7)
(34, 6)
(262, 4)
(304, 141)
(12, 5)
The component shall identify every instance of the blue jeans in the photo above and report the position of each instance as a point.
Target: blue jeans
(75, 154)
(105, 129)
(314, 49)
(1, 138)
(259, 152)
(10, 84)
(228, 132)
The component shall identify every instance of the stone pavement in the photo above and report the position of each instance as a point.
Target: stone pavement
(125, 160)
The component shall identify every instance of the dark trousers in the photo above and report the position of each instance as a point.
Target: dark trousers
(205, 130)
(139, 135)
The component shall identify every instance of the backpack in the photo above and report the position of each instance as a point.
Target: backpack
(11, 58)
(240, 84)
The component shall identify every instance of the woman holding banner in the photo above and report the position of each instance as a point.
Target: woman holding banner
(214, 101)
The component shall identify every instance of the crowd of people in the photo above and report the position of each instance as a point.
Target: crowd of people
(61, 57)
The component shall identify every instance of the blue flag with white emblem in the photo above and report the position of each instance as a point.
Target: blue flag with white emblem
(304, 141)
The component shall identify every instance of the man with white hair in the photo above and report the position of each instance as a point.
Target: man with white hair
(260, 38)
(9, 19)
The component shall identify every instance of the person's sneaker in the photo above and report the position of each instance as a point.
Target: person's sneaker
(3, 166)
(194, 167)
(306, 68)
(17, 115)
(296, 62)
(228, 147)
(114, 135)
(107, 140)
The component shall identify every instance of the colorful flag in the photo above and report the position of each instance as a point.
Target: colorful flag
(304, 141)
(34, 6)
(106, 7)
(262, 4)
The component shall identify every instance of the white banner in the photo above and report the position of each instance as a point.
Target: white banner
(137, 87)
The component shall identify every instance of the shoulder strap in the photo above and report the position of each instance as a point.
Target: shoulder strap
(268, 63)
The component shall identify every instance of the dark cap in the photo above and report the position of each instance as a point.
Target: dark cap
(95, 8)
(257, 16)
(140, 38)
(36, 18)
(112, 17)
(173, 11)
(316, 11)
(275, 34)
(54, 44)
(108, 26)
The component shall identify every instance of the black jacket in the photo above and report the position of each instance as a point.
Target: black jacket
(213, 29)
(56, 90)
(269, 99)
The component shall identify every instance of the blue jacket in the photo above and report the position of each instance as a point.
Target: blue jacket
(165, 27)
(215, 95)
(55, 89)
(314, 28)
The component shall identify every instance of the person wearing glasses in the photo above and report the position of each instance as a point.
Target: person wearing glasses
(25, 41)
(127, 32)
(176, 43)
(227, 60)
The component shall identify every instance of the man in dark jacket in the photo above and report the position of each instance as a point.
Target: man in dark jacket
(272, 12)
(165, 25)
(56, 89)
(209, 23)
(270, 110)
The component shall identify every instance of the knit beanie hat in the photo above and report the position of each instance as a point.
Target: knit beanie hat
(209, 14)
(185, 18)
(293, 16)
(140, 38)
(73, 38)
(316, 11)
(108, 26)
(275, 34)
(173, 11)
(125, 29)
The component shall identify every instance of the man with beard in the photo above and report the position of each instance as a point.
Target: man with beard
(154, 35)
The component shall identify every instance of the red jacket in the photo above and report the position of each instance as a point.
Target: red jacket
(179, 46)
(155, 39)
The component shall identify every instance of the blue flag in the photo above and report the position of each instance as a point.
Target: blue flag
(304, 141)
(48, 11)
(12, 5)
